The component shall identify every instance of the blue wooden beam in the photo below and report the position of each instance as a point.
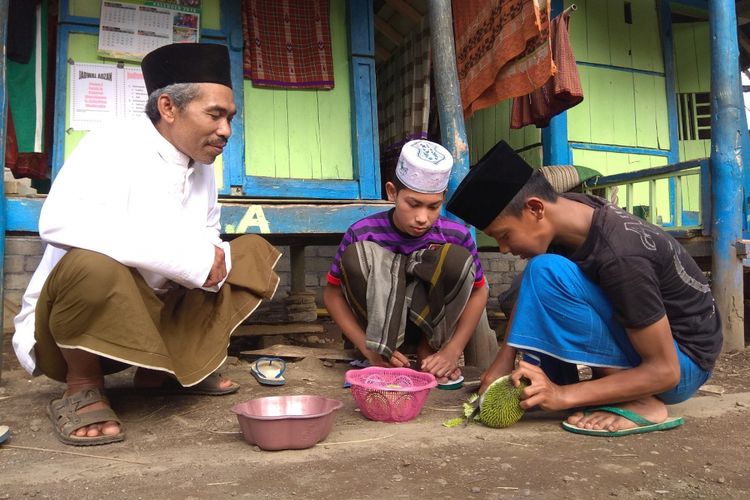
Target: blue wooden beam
(447, 90)
(258, 217)
(3, 118)
(555, 148)
(726, 171)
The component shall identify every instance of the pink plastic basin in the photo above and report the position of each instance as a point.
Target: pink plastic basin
(286, 422)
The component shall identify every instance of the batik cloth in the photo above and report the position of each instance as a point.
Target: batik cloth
(288, 43)
(502, 49)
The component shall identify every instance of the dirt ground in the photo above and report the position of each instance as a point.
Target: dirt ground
(189, 447)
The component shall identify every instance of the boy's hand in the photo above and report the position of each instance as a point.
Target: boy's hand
(442, 364)
(541, 392)
(398, 360)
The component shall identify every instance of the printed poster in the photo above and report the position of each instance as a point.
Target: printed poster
(133, 28)
(103, 92)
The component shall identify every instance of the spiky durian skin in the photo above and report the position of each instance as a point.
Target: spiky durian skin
(500, 404)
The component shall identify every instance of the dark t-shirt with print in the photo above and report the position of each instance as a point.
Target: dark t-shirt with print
(646, 273)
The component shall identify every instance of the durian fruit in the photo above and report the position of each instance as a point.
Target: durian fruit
(499, 405)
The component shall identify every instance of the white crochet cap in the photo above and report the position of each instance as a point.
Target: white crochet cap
(424, 166)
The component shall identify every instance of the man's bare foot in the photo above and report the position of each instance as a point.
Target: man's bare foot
(649, 408)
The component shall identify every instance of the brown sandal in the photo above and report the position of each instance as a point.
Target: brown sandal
(65, 419)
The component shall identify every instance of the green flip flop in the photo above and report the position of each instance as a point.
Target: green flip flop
(644, 425)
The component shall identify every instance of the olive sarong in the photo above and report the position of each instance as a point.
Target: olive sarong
(94, 303)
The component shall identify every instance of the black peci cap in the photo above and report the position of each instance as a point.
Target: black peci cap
(186, 63)
(489, 186)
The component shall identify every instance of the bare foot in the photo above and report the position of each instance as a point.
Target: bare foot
(649, 408)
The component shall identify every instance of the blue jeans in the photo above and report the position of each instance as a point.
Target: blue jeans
(565, 319)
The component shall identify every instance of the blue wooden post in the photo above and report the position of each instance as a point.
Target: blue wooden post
(3, 116)
(555, 148)
(726, 170)
(452, 128)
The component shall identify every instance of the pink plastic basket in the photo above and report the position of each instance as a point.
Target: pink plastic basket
(390, 394)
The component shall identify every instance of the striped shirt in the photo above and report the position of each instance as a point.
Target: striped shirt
(380, 229)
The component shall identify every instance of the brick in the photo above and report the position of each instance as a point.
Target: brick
(31, 262)
(326, 251)
(30, 245)
(13, 264)
(318, 265)
(17, 281)
(13, 297)
(283, 265)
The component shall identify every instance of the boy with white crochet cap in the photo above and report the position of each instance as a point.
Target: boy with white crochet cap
(409, 274)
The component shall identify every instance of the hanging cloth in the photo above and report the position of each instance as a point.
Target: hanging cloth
(287, 43)
(502, 49)
(11, 143)
(561, 92)
(30, 95)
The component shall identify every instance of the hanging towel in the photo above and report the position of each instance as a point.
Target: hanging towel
(502, 49)
(288, 43)
(561, 92)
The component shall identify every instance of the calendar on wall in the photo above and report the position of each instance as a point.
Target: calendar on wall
(133, 28)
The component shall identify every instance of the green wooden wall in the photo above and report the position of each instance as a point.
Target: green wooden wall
(693, 74)
(621, 107)
(303, 134)
(488, 126)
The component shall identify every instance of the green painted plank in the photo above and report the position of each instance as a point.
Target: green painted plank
(703, 56)
(578, 29)
(691, 193)
(619, 34)
(304, 136)
(645, 118)
(622, 105)
(601, 101)
(334, 106)
(533, 156)
(259, 131)
(488, 129)
(645, 42)
(471, 138)
(686, 67)
(579, 117)
(210, 15)
(661, 113)
(597, 32)
(532, 135)
(695, 149)
(84, 8)
(503, 113)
